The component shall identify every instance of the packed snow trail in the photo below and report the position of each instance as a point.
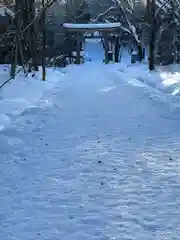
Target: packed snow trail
(97, 158)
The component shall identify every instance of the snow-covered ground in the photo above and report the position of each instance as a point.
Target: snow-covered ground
(23, 92)
(164, 78)
(96, 156)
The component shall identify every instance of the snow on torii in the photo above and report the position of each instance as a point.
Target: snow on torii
(92, 26)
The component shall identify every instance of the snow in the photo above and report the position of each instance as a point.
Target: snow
(4, 10)
(94, 155)
(94, 50)
(91, 25)
(93, 164)
(22, 92)
(75, 53)
(164, 78)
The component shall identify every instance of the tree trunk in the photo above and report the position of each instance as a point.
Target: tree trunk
(152, 38)
(174, 28)
(43, 45)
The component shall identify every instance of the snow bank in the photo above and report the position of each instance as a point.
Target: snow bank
(164, 78)
(23, 92)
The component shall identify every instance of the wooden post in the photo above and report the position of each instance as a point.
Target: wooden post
(78, 48)
(116, 49)
(106, 47)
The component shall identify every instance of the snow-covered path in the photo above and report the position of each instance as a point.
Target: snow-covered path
(96, 158)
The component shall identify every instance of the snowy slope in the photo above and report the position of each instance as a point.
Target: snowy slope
(23, 92)
(94, 50)
(100, 161)
(164, 78)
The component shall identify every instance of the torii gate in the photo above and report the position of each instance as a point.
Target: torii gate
(104, 28)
